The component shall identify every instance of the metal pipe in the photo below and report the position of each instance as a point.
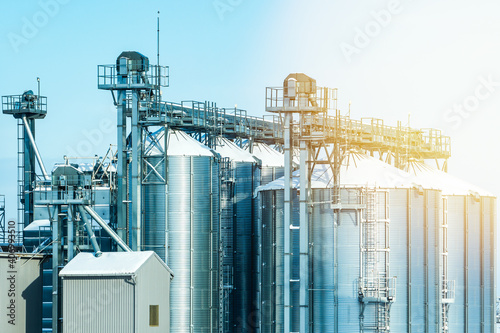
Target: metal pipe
(88, 228)
(110, 231)
(136, 175)
(35, 148)
(71, 236)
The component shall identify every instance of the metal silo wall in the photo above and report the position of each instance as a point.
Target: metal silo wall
(456, 257)
(399, 257)
(241, 296)
(433, 244)
(322, 263)
(415, 243)
(488, 262)
(155, 210)
(417, 262)
(348, 269)
(268, 174)
(191, 226)
(270, 214)
(272, 226)
(473, 264)
(263, 176)
(471, 260)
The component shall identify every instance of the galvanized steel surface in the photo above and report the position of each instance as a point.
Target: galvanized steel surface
(322, 260)
(241, 296)
(182, 226)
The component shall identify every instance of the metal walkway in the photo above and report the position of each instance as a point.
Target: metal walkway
(391, 143)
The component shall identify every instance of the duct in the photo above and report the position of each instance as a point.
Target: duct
(103, 225)
(35, 148)
(88, 228)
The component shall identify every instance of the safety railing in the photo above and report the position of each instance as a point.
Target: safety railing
(448, 291)
(377, 288)
(30, 105)
(109, 79)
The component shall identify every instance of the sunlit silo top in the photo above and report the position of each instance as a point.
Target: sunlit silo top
(179, 143)
(268, 156)
(432, 178)
(227, 148)
(358, 170)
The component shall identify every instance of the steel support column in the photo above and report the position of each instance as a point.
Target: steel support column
(304, 238)
(288, 140)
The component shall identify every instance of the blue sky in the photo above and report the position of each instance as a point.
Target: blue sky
(419, 57)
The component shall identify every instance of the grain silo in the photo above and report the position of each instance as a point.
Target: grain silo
(374, 264)
(236, 234)
(469, 214)
(181, 224)
(271, 168)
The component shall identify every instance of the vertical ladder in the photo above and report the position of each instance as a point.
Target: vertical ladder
(3, 225)
(226, 245)
(20, 180)
(376, 289)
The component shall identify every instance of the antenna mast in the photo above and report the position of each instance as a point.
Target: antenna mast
(158, 60)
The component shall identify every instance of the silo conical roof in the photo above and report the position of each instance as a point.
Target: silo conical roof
(358, 170)
(268, 156)
(432, 178)
(179, 143)
(227, 148)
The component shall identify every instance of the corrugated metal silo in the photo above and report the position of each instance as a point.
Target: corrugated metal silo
(362, 257)
(181, 225)
(243, 168)
(271, 168)
(470, 218)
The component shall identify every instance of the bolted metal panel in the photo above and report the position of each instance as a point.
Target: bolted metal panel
(272, 226)
(241, 296)
(268, 174)
(488, 263)
(473, 285)
(182, 226)
(254, 322)
(262, 176)
(348, 269)
(155, 214)
(456, 259)
(268, 261)
(417, 260)
(322, 268)
(433, 211)
(399, 258)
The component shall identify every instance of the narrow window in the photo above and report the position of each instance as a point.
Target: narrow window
(154, 315)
